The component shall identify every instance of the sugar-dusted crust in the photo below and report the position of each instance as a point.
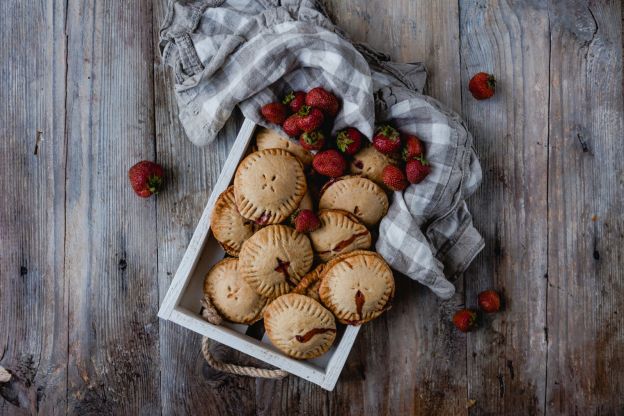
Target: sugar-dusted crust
(230, 294)
(310, 283)
(229, 228)
(357, 286)
(270, 139)
(359, 196)
(274, 260)
(370, 163)
(269, 185)
(340, 232)
(299, 326)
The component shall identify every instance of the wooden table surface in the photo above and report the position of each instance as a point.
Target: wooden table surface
(84, 263)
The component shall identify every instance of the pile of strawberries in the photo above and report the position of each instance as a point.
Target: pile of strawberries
(309, 117)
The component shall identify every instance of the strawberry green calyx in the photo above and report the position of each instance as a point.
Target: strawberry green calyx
(305, 110)
(154, 183)
(388, 131)
(491, 82)
(421, 159)
(343, 141)
(288, 98)
(313, 137)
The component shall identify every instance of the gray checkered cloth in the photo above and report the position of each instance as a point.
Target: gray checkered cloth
(248, 53)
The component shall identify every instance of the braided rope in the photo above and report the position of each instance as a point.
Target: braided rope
(210, 314)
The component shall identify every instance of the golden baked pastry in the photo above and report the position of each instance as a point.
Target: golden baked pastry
(359, 196)
(230, 294)
(270, 139)
(357, 286)
(340, 232)
(370, 163)
(229, 228)
(274, 260)
(269, 185)
(299, 326)
(310, 283)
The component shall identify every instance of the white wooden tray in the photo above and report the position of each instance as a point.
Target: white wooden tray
(182, 301)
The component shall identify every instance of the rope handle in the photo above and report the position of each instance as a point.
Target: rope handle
(210, 314)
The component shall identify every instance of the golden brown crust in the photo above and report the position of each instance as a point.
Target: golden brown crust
(229, 228)
(270, 139)
(269, 185)
(274, 260)
(357, 286)
(340, 232)
(299, 326)
(310, 283)
(230, 294)
(370, 163)
(359, 196)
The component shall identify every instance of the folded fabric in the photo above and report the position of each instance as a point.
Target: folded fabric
(248, 53)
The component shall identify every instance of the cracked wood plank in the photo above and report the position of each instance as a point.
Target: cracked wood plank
(33, 303)
(586, 202)
(507, 355)
(111, 257)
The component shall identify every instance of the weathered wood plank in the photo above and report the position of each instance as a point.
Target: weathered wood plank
(507, 356)
(187, 383)
(409, 361)
(33, 302)
(111, 256)
(586, 202)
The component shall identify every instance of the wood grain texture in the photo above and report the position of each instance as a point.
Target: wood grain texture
(33, 302)
(507, 356)
(111, 258)
(586, 202)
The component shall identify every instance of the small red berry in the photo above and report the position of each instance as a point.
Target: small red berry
(465, 319)
(394, 178)
(489, 301)
(386, 139)
(349, 140)
(482, 86)
(295, 100)
(275, 112)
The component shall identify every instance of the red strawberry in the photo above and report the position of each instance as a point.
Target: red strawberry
(349, 140)
(489, 301)
(465, 319)
(386, 139)
(306, 221)
(417, 169)
(313, 140)
(322, 99)
(275, 113)
(412, 147)
(329, 163)
(291, 126)
(295, 100)
(146, 178)
(394, 178)
(310, 118)
(482, 85)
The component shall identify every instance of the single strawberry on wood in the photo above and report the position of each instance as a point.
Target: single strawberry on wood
(465, 320)
(324, 100)
(349, 141)
(310, 118)
(386, 139)
(482, 85)
(489, 301)
(146, 178)
(274, 113)
(329, 163)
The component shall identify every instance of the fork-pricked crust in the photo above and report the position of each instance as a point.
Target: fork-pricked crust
(274, 260)
(359, 196)
(231, 295)
(229, 228)
(357, 286)
(299, 326)
(269, 185)
(270, 139)
(340, 232)
(310, 283)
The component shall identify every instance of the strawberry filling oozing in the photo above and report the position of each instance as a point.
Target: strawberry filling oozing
(308, 335)
(359, 302)
(344, 243)
(282, 267)
(264, 218)
(359, 164)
